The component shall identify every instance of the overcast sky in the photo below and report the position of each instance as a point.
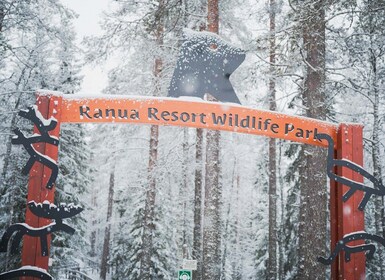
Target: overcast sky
(90, 11)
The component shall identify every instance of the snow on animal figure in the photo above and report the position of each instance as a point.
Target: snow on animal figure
(43, 210)
(43, 126)
(379, 188)
(342, 246)
(202, 68)
(30, 271)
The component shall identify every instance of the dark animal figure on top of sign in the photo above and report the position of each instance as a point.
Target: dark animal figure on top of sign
(26, 271)
(43, 126)
(379, 188)
(341, 246)
(43, 210)
(204, 66)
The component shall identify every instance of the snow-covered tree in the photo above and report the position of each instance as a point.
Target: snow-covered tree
(30, 34)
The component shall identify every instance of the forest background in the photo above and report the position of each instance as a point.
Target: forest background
(245, 206)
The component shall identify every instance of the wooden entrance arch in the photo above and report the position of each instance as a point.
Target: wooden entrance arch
(345, 217)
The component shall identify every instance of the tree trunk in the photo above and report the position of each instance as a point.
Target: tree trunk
(213, 16)
(312, 226)
(149, 210)
(18, 89)
(107, 232)
(197, 240)
(211, 216)
(273, 238)
(146, 271)
(7, 155)
(281, 235)
(2, 16)
(211, 213)
(183, 193)
(94, 222)
(227, 229)
(4, 180)
(376, 156)
(236, 262)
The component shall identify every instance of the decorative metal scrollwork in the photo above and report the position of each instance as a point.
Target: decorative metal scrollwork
(43, 210)
(44, 126)
(26, 271)
(379, 188)
(341, 245)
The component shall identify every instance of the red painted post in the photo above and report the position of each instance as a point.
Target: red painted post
(345, 216)
(334, 225)
(49, 106)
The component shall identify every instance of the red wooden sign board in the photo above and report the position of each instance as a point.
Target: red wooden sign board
(345, 218)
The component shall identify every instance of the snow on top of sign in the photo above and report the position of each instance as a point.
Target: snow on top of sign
(65, 206)
(46, 122)
(35, 228)
(355, 232)
(30, 267)
(190, 34)
(44, 92)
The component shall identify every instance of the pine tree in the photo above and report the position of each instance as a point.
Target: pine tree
(261, 218)
(292, 205)
(366, 54)
(213, 192)
(313, 206)
(149, 254)
(31, 61)
(273, 238)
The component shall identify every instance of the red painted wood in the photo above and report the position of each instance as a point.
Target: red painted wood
(334, 222)
(38, 177)
(345, 217)
(346, 214)
(302, 129)
(358, 216)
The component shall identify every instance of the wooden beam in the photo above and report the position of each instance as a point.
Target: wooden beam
(345, 216)
(48, 105)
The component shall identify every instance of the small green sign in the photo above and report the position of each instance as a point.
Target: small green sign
(184, 275)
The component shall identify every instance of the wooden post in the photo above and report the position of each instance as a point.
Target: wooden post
(49, 106)
(345, 217)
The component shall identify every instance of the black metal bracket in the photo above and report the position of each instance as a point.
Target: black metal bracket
(43, 210)
(379, 188)
(44, 126)
(26, 271)
(341, 245)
